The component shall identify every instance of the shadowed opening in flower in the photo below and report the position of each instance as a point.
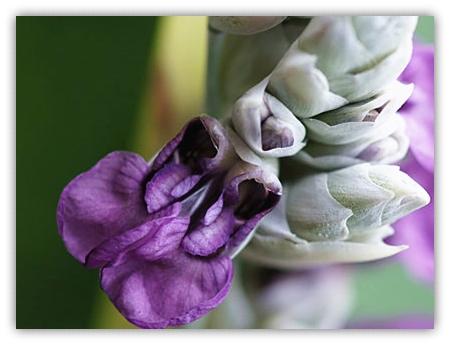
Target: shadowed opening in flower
(253, 197)
(197, 143)
(186, 165)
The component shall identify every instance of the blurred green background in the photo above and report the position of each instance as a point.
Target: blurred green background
(86, 86)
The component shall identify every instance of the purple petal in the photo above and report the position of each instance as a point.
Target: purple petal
(159, 192)
(206, 239)
(213, 211)
(165, 240)
(171, 291)
(161, 229)
(249, 194)
(185, 186)
(102, 202)
(111, 248)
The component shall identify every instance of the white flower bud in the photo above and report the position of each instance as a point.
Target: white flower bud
(341, 216)
(342, 59)
(266, 125)
(335, 205)
(301, 86)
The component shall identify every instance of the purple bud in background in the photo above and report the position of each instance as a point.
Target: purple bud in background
(163, 233)
(417, 229)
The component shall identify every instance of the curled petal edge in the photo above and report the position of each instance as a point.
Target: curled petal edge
(287, 253)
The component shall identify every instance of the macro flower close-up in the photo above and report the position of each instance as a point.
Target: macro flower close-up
(226, 172)
(166, 231)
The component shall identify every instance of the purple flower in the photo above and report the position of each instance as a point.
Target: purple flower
(418, 111)
(417, 229)
(163, 234)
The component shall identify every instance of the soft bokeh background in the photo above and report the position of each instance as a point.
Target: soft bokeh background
(90, 85)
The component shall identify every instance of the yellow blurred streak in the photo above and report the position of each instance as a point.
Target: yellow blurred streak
(183, 60)
(176, 85)
(174, 92)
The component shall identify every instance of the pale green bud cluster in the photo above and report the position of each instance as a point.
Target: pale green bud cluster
(326, 112)
(341, 59)
(365, 131)
(351, 201)
(339, 216)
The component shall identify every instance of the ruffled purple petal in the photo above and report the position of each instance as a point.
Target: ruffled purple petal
(163, 230)
(171, 291)
(165, 240)
(247, 194)
(111, 248)
(102, 202)
(171, 182)
(206, 239)
(160, 231)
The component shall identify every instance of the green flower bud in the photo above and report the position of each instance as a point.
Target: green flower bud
(341, 59)
(340, 216)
